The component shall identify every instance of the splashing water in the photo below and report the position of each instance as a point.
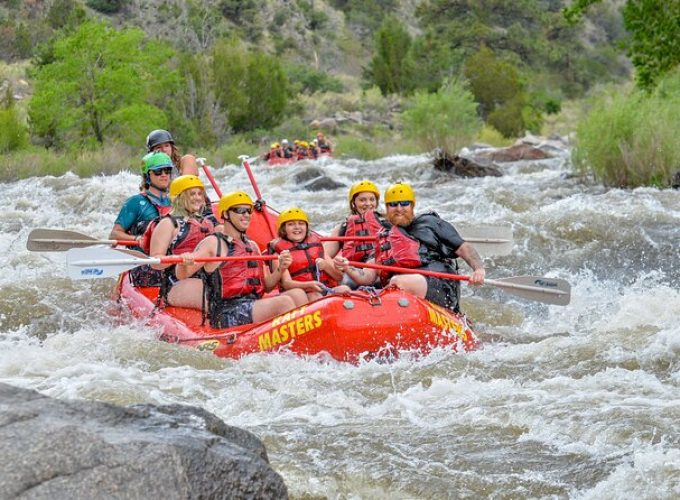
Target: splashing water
(578, 401)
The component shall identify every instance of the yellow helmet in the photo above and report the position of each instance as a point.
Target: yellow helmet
(232, 199)
(400, 192)
(364, 186)
(182, 183)
(291, 214)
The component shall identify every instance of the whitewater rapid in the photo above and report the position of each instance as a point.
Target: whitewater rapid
(560, 402)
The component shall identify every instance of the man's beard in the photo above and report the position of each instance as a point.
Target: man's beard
(401, 219)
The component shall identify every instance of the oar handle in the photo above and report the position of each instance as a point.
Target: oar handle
(393, 269)
(177, 259)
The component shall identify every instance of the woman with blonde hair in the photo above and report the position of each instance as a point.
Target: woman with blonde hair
(178, 233)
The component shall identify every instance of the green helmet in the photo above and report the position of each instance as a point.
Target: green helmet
(155, 160)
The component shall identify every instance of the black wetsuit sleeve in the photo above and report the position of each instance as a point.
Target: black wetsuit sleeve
(437, 235)
(449, 236)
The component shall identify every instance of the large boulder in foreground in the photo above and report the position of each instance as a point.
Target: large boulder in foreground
(80, 449)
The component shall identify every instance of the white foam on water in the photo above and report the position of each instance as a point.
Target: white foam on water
(553, 395)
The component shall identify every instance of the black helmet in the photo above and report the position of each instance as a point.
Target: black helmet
(157, 137)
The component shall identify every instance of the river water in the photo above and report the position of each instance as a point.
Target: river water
(559, 402)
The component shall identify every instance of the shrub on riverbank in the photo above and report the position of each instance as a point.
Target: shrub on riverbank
(628, 139)
(110, 159)
(446, 119)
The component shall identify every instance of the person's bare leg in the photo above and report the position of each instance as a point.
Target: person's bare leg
(412, 283)
(265, 309)
(298, 295)
(187, 293)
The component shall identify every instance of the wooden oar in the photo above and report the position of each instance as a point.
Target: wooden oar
(548, 290)
(94, 262)
(59, 240)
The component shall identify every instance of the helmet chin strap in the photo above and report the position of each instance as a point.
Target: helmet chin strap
(228, 219)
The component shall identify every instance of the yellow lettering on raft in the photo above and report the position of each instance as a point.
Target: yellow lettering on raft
(276, 339)
(270, 339)
(288, 316)
(446, 321)
(265, 342)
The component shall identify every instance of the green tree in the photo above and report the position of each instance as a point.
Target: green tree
(307, 80)
(499, 89)
(389, 68)
(654, 26)
(102, 84)
(197, 102)
(446, 119)
(13, 133)
(492, 81)
(434, 59)
(250, 86)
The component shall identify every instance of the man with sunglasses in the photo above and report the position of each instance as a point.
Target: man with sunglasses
(420, 242)
(139, 210)
(236, 289)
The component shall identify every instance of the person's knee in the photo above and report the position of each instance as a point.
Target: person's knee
(298, 296)
(398, 281)
(414, 284)
(286, 303)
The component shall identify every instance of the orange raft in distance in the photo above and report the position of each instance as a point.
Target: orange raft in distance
(354, 326)
(276, 161)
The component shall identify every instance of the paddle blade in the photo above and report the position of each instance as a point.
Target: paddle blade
(488, 240)
(547, 290)
(100, 262)
(57, 240)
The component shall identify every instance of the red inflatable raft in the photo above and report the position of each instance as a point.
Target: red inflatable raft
(276, 161)
(349, 327)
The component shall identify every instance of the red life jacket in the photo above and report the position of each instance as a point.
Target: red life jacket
(190, 234)
(361, 225)
(237, 278)
(304, 256)
(139, 228)
(398, 249)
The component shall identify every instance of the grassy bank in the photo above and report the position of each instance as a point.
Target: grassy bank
(628, 137)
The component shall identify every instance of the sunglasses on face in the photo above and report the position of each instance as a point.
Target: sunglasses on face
(162, 171)
(241, 210)
(394, 204)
